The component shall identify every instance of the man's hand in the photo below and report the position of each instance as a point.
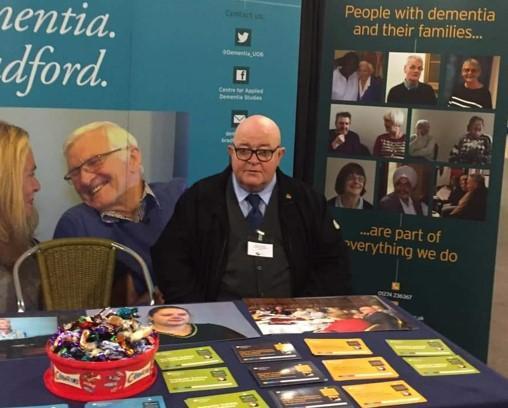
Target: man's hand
(339, 139)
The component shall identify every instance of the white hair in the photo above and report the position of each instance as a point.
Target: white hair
(396, 116)
(423, 122)
(117, 136)
(414, 57)
(369, 66)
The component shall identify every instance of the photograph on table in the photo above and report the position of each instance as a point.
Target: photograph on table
(412, 78)
(358, 76)
(454, 137)
(356, 130)
(471, 81)
(404, 188)
(26, 336)
(12, 328)
(324, 315)
(194, 322)
(350, 183)
(461, 193)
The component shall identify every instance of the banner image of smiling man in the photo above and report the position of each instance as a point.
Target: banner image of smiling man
(105, 168)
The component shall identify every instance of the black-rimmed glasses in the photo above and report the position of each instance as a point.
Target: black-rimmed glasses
(90, 165)
(245, 153)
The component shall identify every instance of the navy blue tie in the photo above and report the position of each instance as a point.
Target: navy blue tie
(254, 217)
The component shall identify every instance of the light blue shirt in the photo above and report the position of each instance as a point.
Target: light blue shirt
(265, 194)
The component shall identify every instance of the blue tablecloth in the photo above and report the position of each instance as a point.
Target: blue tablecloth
(21, 380)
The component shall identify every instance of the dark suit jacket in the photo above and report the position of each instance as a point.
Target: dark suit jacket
(191, 254)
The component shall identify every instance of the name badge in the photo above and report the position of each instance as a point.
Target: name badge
(259, 249)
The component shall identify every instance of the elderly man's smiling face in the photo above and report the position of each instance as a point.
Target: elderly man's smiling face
(105, 186)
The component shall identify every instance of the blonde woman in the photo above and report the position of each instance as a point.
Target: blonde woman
(18, 217)
(369, 86)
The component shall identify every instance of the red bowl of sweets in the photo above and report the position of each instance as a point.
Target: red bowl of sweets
(105, 356)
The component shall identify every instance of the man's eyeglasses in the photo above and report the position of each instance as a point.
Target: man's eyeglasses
(245, 153)
(90, 165)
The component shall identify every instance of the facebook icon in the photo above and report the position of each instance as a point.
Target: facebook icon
(241, 75)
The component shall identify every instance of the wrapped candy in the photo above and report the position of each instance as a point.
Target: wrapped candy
(105, 336)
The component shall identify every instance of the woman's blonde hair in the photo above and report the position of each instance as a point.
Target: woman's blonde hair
(16, 228)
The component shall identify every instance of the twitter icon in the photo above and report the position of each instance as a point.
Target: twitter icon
(243, 37)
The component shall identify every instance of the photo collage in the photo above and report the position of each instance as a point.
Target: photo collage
(411, 133)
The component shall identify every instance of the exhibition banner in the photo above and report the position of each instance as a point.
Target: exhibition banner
(179, 75)
(410, 147)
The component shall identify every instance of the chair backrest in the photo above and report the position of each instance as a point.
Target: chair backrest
(76, 273)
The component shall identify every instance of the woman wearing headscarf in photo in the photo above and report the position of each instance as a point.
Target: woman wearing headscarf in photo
(350, 188)
(471, 94)
(18, 217)
(402, 199)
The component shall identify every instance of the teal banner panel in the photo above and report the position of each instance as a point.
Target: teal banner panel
(410, 148)
(179, 74)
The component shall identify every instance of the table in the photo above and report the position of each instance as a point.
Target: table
(21, 380)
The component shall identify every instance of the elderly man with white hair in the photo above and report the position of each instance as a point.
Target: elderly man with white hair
(401, 200)
(411, 91)
(105, 168)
